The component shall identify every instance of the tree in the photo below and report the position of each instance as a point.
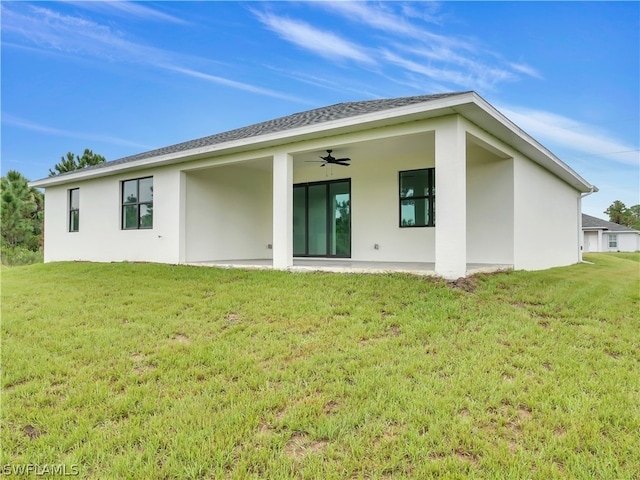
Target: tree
(635, 216)
(21, 213)
(75, 162)
(619, 213)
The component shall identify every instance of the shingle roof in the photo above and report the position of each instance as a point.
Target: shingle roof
(310, 117)
(589, 222)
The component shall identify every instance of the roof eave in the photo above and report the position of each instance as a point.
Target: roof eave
(501, 127)
(469, 104)
(355, 123)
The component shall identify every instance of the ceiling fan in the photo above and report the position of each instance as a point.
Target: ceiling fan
(332, 160)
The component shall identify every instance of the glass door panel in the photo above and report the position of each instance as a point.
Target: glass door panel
(317, 227)
(299, 220)
(340, 235)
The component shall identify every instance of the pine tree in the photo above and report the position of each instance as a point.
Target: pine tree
(76, 162)
(21, 212)
(619, 213)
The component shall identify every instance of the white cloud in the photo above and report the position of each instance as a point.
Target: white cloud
(526, 69)
(554, 129)
(382, 17)
(229, 83)
(75, 36)
(426, 11)
(17, 122)
(129, 9)
(473, 77)
(419, 50)
(321, 42)
(442, 74)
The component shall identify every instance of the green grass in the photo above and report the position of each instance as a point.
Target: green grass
(149, 371)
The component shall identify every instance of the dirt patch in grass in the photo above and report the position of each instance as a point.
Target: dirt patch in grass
(32, 432)
(524, 413)
(331, 407)
(464, 412)
(182, 338)
(141, 365)
(300, 445)
(395, 330)
(467, 456)
(560, 432)
(390, 435)
(467, 284)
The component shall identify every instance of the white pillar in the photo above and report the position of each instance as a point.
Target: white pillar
(451, 199)
(282, 211)
(600, 249)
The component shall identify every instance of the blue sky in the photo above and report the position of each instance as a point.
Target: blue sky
(126, 77)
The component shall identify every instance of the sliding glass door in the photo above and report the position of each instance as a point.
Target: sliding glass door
(322, 219)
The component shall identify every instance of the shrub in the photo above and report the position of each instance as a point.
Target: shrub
(14, 256)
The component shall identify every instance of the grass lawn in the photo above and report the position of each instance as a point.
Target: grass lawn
(149, 371)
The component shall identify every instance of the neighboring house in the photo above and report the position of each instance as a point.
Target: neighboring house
(603, 236)
(443, 179)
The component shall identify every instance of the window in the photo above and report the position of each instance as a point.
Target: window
(417, 198)
(137, 203)
(74, 209)
(613, 240)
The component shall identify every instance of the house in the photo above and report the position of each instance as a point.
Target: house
(603, 236)
(444, 181)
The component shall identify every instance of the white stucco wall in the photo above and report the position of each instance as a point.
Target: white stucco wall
(546, 216)
(489, 208)
(627, 242)
(375, 200)
(228, 213)
(100, 237)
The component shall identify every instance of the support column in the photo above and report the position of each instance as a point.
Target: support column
(282, 211)
(451, 199)
(600, 247)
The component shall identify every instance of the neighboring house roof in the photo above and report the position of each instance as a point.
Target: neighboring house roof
(337, 119)
(595, 223)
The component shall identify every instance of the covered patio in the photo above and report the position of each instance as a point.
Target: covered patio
(247, 212)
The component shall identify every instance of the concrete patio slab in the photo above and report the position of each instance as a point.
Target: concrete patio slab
(349, 266)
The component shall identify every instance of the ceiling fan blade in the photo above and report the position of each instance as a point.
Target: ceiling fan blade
(338, 162)
(343, 159)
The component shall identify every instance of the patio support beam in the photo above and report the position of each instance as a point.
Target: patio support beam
(282, 211)
(451, 199)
